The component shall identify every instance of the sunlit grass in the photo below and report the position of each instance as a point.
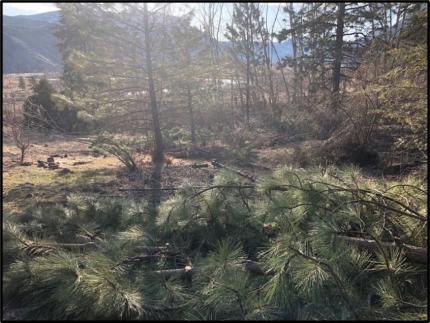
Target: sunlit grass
(47, 185)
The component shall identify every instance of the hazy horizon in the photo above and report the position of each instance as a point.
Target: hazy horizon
(272, 13)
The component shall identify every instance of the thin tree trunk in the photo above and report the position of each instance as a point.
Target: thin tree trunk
(248, 65)
(247, 87)
(191, 115)
(158, 139)
(240, 92)
(338, 55)
(399, 31)
(294, 44)
(287, 91)
(233, 105)
(22, 155)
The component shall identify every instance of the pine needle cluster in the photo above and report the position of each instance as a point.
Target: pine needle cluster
(317, 244)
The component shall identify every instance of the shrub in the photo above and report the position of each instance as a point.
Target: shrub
(46, 110)
(120, 148)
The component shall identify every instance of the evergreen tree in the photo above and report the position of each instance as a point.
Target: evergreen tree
(401, 87)
(158, 155)
(189, 64)
(108, 73)
(21, 83)
(243, 33)
(48, 110)
(33, 81)
(321, 51)
(39, 107)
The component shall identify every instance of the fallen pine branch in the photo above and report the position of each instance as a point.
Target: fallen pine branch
(217, 164)
(156, 249)
(220, 186)
(68, 246)
(178, 188)
(248, 265)
(167, 273)
(413, 253)
(140, 258)
(148, 189)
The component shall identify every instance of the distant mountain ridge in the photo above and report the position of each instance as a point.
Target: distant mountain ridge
(30, 46)
(51, 17)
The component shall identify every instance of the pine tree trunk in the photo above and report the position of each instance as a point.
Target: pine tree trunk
(294, 44)
(338, 55)
(191, 115)
(248, 66)
(247, 87)
(233, 106)
(22, 155)
(240, 92)
(158, 139)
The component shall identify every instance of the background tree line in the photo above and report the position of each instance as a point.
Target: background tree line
(170, 75)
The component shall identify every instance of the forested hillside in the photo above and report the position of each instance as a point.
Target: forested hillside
(244, 161)
(29, 44)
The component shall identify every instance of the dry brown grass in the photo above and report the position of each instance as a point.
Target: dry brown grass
(297, 154)
(90, 173)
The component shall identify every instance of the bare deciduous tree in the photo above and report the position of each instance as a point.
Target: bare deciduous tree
(15, 128)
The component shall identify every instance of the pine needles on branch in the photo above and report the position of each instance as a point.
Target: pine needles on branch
(316, 244)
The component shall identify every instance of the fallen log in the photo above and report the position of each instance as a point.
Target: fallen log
(195, 165)
(217, 164)
(413, 253)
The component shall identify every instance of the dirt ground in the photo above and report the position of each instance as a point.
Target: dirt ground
(90, 173)
(104, 174)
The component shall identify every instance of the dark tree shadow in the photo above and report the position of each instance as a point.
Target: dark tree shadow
(155, 185)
